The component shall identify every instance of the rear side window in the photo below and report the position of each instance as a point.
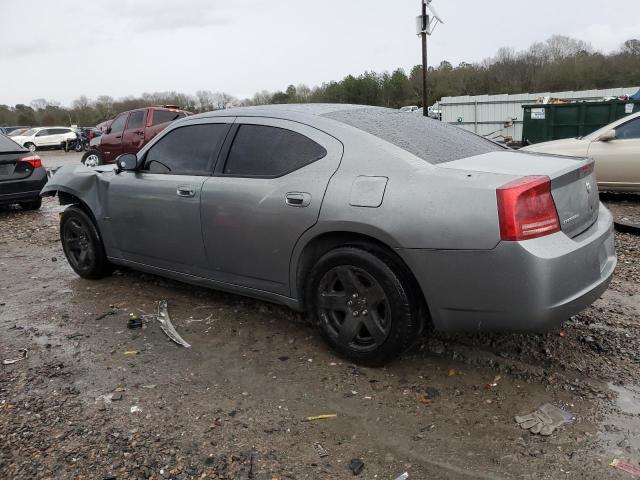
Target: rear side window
(136, 120)
(164, 116)
(261, 151)
(118, 124)
(186, 150)
(629, 131)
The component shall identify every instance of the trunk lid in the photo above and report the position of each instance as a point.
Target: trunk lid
(573, 183)
(11, 168)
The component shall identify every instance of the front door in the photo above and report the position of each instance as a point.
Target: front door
(111, 141)
(618, 161)
(45, 138)
(133, 136)
(155, 212)
(265, 194)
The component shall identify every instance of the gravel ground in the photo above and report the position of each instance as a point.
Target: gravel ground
(233, 406)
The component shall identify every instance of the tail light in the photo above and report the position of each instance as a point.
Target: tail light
(33, 160)
(526, 209)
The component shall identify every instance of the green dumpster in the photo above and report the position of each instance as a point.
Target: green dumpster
(570, 120)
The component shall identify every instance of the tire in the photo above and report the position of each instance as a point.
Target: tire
(30, 146)
(92, 158)
(82, 245)
(34, 205)
(363, 304)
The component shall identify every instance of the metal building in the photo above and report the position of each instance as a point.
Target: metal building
(488, 115)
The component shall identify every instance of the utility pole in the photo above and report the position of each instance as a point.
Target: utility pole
(425, 27)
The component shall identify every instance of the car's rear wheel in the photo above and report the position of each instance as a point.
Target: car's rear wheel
(92, 158)
(30, 146)
(362, 303)
(33, 205)
(82, 245)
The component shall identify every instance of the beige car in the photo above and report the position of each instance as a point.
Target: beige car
(615, 149)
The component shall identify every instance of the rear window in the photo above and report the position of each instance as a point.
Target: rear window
(164, 116)
(8, 145)
(428, 139)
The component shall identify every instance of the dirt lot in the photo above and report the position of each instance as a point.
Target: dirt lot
(233, 406)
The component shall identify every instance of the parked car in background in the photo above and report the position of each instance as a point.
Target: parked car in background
(409, 108)
(615, 149)
(22, 175)
(10, 130)
(129, 132)
(19, 131)
(373, 221)
(45, 137)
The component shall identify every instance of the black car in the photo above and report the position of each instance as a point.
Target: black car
(22, 175)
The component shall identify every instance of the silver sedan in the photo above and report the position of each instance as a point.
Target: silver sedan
(372, 221)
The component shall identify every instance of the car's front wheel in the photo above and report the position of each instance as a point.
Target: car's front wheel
(30, 146)
(363, 304)
(82, 244)
(92, 158)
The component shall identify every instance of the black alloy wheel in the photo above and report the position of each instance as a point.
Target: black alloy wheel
(82, 244)
(354, 308)
(364, 303)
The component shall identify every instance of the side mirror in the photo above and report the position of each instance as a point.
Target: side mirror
(607, 136)
(127, 162)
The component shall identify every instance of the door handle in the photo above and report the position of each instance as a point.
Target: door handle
(186, 191)
(298, 199)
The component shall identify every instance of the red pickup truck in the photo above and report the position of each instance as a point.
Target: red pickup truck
(129, 132)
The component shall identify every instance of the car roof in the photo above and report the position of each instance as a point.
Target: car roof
(429, 139)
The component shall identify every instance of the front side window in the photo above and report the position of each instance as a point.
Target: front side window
(136, 120)
(262, 151)
(43, 133)
(165, 116)
(629, 131)
(118, 124)
(187, 150)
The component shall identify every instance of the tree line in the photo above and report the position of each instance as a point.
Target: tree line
(560, 63)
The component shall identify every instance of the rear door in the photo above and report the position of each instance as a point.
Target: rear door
(618, 161)
(133, 138)
(267, 191)
(111, 141)
(155, 212)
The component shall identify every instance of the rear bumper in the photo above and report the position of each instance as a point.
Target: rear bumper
(518, 286)
(25, 190)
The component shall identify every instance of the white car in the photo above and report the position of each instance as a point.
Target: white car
(615, 149)
(45, 137)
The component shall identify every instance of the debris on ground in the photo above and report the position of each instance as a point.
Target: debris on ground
(167, 326)
(545, 420)
(626, 467)
(493, 384)
(131, 353)
(135, 409)
(113, 311)
(356, 466)
(134, 322)
(24, 353)
(322, 452)
(404, 476)
(321, 417)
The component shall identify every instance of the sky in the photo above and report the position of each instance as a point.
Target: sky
(59, 50)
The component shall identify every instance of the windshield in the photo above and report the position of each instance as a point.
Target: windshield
(30, 133)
